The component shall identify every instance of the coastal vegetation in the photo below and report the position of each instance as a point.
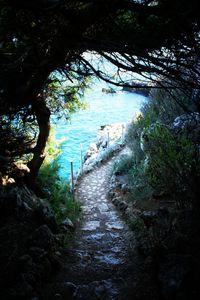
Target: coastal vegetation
(53, 189)
(47, 36)
(159, 198)
(49, 50)
(164, 144)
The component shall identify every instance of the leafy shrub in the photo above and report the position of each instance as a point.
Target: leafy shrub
(53, 188)
(163, 161)
(140, 188)
(138, 185)
(123, 165)
(133, 139)
(155, 231)
(171, 162)
(164, 105)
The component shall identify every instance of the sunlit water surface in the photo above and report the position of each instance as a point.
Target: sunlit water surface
(82, 129)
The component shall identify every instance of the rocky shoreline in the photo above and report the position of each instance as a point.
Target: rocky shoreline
(138, 87)
(110, 139)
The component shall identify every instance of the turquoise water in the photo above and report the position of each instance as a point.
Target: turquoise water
(103, 109)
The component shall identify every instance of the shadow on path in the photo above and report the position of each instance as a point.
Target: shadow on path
(101, 263)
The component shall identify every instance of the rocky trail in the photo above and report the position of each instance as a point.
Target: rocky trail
(101, 263)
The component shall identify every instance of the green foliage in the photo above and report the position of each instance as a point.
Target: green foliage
(123, 165)
(16, 139)
(63, 97)
(171, 161)
(133, 139)
(53, 148)
(128, 21)
(35, 45)
(140, 189)
(164, 106)
(167, 162)
(136, 224)
(53, 188)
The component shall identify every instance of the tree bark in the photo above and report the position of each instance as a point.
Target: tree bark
(42, 113)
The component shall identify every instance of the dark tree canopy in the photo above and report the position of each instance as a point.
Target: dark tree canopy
(156, 39)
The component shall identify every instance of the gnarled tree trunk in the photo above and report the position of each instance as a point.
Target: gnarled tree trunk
(42, 113)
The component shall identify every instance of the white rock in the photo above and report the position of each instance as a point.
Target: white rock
(68, 223)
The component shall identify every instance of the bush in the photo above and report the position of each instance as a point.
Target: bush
(163, 162)
(171, 163)
(137, 181)
(123, 165)
(140, 188)
(53, 188)
(164, 105)
(133, 139)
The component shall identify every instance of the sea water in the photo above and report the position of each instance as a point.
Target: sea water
(82, 129)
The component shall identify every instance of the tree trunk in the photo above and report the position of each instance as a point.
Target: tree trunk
(42, 113)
